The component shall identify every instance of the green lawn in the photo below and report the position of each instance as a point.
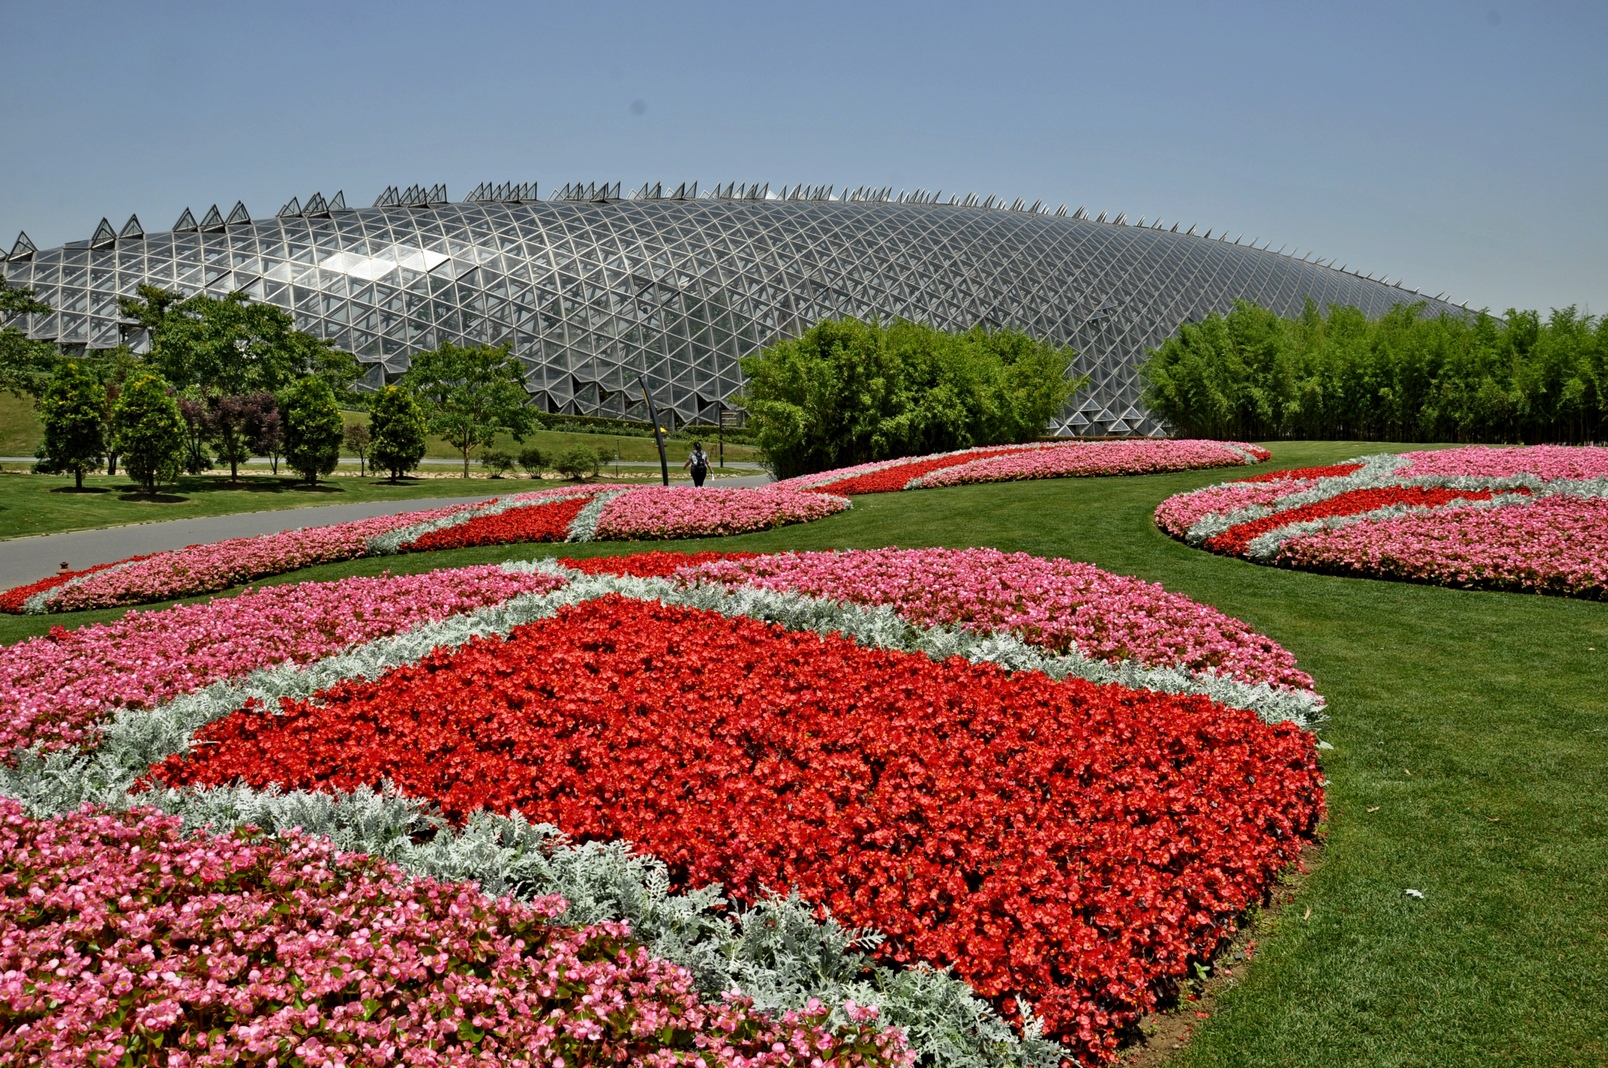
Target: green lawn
(47, 504)
(1475, 724)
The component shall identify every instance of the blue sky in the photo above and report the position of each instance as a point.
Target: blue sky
(1461, 146)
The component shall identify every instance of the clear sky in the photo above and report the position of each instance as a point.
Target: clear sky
(1462, 146)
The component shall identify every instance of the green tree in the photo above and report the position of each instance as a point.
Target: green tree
(25, 364)
(849, 392)
(150, 432)
(396, 431)
(232, 346)
(470, 394)
(359, 438)
(313, 428)
(73, 408)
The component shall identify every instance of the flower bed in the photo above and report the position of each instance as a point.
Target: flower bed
(578, 514)
(124, 940)
(1532, 519)
(1054, 604)
(1067, 811)
(54, 689)
(1014, 463)
(1072, 843)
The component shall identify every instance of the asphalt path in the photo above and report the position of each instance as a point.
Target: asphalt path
(24, 560)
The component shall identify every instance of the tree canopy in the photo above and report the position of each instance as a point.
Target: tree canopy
(25, 364)
(73, 408)
(850, 392)
(231, 346)
(396, 431)
(1252, 374)
(150, 431)
(313, 428)
(469, 394)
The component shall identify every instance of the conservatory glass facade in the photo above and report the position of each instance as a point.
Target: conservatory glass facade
(592, 288)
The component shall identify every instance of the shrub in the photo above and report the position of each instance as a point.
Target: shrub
(577, 462)
(497, 462)
(533, 460)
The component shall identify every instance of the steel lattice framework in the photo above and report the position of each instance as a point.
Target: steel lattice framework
(592, 288)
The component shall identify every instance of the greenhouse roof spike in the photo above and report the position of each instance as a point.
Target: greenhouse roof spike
(213, 220)
(292, 207)
(132, 229)
(238, 214)
(23, 249)
(104, 235)
(186, 223)
(338, 201)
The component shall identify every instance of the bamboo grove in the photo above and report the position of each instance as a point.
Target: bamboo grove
(1254, 375)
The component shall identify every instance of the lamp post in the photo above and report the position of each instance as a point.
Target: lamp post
(658, 434)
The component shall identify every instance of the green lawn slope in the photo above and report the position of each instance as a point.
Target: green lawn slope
(1470, 763)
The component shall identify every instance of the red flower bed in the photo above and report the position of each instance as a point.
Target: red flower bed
(541, 522)
(1332, 471)
(1077, 844)
(1353, 502)
(655, 564)
(892, 479)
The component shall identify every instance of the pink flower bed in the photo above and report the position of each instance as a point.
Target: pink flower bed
(565, 513)
(654, 512)
(1547, 462)
(124, 940)
(1089, 458)
(53, 689)
(1532, 519)
(206, 568)
(1557, 545)
(1012, 463)
(1051, 603)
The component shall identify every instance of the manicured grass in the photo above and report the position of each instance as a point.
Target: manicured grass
(1476, 724)
(20, 428)
(46, 504)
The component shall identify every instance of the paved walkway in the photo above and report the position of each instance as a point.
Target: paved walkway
(24, 560)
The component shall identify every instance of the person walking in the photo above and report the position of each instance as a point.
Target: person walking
(699, 463)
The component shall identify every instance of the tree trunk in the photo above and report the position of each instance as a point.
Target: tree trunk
(79, 472)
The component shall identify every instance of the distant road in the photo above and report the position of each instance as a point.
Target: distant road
(24, 560)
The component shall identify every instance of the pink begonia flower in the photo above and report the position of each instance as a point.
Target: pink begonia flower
(53, 689)
(1051, 603)
(124, 935)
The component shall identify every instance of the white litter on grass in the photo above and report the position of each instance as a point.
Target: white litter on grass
(1410, 892)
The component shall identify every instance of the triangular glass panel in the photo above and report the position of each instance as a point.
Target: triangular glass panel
(292, 207)
(315, 206)
(387, 199)
(104, 237)
(238, 214)
(186, 223)
(338, 202)
(23, 249)
(132, 229)
(213, 219)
